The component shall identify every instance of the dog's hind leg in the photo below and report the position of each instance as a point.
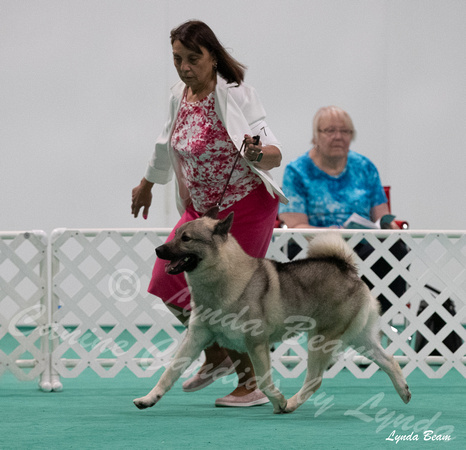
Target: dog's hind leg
(260, 357)
(190, 349)
(367, 344)
(318, 361)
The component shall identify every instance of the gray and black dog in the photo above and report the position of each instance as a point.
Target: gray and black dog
(264, 301)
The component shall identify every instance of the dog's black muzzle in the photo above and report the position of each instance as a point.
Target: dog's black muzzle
(178, 262)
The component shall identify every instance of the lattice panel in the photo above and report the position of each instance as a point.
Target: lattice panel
(23, 299)
(434, 269)
(104, 319)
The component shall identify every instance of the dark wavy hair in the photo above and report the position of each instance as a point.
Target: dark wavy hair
(195, 34)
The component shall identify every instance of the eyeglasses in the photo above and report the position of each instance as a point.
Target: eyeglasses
(334, 131)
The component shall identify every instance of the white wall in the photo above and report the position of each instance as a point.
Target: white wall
(84, 88)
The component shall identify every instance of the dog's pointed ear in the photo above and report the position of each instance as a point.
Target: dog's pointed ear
(212, 212)
(223, 226)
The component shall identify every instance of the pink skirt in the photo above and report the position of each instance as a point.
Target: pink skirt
(252, 227)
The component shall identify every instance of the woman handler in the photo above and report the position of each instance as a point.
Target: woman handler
(211, 113)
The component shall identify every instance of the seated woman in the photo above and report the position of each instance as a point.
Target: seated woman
(330, 182)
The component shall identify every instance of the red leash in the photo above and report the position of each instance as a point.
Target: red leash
(255, 141)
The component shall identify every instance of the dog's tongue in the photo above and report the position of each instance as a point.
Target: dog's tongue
(174, 267)
(186, 263)
(179, 265)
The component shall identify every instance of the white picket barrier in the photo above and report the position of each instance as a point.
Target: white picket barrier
(99, 315)
(24, 346)
(434, 260)
(104, 319)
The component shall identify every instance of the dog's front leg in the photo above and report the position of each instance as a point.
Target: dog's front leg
(260, 357)
(194, 342)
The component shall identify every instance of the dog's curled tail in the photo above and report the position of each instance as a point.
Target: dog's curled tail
(331, 245)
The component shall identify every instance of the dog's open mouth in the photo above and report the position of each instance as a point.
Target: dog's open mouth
(185, 264)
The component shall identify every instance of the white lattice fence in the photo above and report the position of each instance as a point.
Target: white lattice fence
(23, 304)
(104, 319)
(433, 259)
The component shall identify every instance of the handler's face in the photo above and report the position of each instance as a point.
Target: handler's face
(334, 137)
(196, 70)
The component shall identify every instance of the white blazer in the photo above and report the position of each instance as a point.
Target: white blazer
(240, 111)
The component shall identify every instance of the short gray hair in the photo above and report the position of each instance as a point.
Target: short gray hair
(331, 110)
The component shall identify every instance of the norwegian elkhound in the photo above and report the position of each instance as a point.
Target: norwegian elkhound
(264, 301)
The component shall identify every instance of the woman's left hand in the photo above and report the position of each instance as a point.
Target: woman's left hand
(251, 151)
(264, 157)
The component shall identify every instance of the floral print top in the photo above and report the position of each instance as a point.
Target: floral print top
(207, 154)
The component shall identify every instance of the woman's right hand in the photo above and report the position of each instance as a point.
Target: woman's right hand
(142, 198)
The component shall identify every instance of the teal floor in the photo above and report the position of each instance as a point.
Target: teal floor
(347, 413)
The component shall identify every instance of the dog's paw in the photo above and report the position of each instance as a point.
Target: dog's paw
(291, 405)
(280, 409)
(145, 402)
(289, 410)
(406, 397)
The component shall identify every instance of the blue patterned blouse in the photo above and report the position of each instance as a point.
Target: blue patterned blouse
(328, 200)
